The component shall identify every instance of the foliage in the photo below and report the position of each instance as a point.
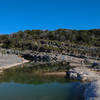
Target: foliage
(58, 40)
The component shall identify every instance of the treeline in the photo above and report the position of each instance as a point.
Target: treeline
(30, 38)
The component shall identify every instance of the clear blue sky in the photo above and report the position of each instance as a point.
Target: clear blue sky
(48, 14)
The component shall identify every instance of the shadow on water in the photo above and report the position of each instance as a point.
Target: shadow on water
(17, 85)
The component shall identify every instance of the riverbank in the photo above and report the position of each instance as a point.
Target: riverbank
(55, 73)
(9, 61)
(13, 65)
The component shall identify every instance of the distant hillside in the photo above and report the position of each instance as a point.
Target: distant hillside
(78, 36)
(58, 40)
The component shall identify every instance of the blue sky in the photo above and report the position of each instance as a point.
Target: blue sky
(18, 15)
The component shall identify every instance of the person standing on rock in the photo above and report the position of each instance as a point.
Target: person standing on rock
(81, 63)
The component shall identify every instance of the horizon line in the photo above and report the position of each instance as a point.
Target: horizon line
(50, 30)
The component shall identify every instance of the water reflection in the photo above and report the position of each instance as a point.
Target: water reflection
(27, 86)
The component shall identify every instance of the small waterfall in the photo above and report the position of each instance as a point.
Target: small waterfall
(92, 91)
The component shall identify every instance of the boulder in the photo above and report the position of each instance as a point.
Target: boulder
(73, 75)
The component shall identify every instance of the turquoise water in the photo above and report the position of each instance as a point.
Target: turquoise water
(26, 86)
(51, 91)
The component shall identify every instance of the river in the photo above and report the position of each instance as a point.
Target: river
(27, 86)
